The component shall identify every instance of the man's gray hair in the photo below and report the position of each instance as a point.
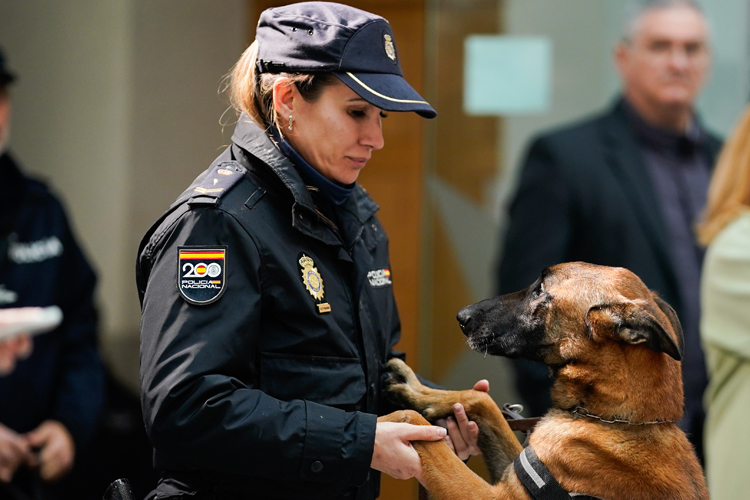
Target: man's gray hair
(637, 9)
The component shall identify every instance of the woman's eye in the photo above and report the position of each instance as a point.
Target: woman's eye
(383, 114)
(358, 113)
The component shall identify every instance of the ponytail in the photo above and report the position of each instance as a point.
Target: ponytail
(251, 92)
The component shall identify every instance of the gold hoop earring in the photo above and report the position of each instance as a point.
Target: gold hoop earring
(291, 120)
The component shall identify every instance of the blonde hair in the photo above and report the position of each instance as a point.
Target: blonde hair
(729, 191)
(251, 92)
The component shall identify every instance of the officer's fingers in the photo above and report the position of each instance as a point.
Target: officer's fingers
(449, 442)
(468, 432)
(461, 446)
(424, 433)
(482, 385)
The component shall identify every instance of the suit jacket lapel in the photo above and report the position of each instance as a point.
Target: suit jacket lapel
(624, 156)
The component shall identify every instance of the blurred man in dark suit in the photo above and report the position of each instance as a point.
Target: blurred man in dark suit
(626, 187)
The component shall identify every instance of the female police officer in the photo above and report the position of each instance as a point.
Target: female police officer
(268, 312)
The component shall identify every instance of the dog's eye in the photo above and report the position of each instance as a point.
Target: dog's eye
(539, 290)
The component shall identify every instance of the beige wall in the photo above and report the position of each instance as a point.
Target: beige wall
(117, 107)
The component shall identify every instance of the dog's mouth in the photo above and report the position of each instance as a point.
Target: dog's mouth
(485, 341)
(509, 345)
(480, 343)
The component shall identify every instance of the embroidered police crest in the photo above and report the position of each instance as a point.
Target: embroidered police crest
(313, 281)
(390, 49)
(201, 273)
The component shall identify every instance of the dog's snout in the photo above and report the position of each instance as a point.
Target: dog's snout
(464, 317)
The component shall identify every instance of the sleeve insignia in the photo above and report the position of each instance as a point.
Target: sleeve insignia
(201, 273)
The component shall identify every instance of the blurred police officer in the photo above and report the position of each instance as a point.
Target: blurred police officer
(50, 402)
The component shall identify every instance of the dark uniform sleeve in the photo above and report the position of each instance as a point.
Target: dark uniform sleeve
(80, 395)
(201, 404)
(538, 234)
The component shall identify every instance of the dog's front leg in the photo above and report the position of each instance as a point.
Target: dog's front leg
(444, 475)
(497, 441)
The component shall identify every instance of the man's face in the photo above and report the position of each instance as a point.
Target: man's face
(667, 60)
(4, 118)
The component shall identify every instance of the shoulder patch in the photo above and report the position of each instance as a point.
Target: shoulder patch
(217, 182)
(201, 273)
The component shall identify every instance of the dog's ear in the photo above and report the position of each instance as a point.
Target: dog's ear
(635, 322)
(673, 320)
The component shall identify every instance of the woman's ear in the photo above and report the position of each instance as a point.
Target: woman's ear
(285, 94)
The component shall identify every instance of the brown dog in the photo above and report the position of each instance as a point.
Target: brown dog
(613, 348)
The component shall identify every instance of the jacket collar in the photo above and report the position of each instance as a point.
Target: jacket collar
(693, 139)
(254, 140)
(250, 137)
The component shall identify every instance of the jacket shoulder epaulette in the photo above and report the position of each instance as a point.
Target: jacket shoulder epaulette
(217, 182)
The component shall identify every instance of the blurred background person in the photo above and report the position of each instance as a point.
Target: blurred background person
(725, 321)
(50, 402)
(625, 188)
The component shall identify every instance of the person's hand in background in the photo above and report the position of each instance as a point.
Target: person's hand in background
(56, 449)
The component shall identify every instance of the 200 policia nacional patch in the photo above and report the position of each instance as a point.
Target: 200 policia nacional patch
(201, 273)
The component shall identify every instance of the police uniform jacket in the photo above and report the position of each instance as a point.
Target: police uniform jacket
(41, 264)
(262, 377)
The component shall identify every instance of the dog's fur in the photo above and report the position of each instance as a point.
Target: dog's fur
(613, 348)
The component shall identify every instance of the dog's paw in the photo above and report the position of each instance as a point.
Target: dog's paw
(403, 388)
(401, 384)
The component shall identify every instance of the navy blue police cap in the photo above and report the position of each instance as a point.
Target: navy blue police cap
(6, 77)
(356, 46)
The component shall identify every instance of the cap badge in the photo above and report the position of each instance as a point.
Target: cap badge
(390, 50)
(313, 281)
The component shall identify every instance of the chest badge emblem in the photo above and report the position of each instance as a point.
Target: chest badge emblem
(313, 281)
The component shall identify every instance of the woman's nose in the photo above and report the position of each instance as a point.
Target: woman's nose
(373, 134)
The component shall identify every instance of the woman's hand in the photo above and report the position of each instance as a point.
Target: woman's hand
(394, 454)
(463, 434)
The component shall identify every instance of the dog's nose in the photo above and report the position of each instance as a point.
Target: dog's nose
(464, 317)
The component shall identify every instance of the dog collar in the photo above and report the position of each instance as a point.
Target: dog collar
(580, 410)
